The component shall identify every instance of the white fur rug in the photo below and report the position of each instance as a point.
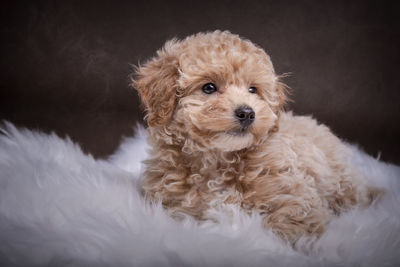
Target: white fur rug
(60, 207)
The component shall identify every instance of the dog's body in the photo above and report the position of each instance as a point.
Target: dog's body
(219, 135)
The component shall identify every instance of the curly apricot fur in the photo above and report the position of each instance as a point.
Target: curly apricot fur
(290, 169)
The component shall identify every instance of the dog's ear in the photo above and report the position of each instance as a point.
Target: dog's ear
(281, 94)
(156, 82)
(281, 98)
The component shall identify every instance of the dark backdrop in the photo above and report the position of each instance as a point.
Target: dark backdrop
(65, 64)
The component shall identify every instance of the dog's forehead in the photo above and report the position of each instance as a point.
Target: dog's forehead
(226, 49)
(226, 58)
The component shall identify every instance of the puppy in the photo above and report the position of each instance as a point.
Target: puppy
(219, 135)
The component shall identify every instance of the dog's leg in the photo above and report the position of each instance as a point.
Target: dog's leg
(351, 194)
(291, 206)
(295, 220)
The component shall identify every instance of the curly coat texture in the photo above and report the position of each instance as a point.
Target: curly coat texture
(290, 169)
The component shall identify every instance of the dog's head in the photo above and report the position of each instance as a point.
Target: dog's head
(215, 89)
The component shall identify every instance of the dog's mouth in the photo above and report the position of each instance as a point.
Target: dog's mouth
(233, 140)
(239, 132)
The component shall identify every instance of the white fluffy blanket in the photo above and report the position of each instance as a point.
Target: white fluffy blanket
(61, 207)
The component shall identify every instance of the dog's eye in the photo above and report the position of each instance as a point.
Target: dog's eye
(253, 90)
(209, 88)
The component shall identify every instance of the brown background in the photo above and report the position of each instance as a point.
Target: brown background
(65, 64)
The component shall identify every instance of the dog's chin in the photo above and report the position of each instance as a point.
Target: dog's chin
(232, 140)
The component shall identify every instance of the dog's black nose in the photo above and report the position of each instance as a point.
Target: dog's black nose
(245, 115)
